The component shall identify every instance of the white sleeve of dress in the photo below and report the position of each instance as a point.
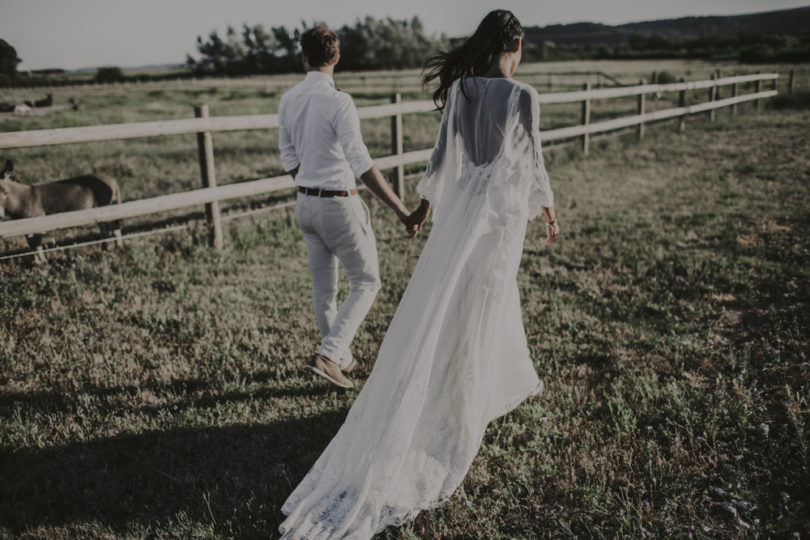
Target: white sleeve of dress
(428, 185)
(541, 194)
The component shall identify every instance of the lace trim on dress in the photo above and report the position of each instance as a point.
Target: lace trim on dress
(540, 194)
(505, 409)
(390, 515)
(426, 188)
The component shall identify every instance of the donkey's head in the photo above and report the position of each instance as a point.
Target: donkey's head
(5, 175)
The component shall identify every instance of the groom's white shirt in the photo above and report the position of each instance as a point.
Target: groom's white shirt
(319, 132)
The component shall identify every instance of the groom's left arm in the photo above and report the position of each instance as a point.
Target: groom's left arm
(289, 158)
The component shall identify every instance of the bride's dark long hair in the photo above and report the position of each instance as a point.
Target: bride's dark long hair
(495, 35)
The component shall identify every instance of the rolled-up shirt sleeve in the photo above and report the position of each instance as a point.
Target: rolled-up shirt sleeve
(347, 126)
(289, 158)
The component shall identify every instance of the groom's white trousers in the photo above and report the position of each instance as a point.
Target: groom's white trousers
(339, 229)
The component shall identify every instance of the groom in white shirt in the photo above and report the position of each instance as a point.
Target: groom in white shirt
(322, 148)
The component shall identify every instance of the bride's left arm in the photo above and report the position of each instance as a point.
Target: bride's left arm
(541, 197)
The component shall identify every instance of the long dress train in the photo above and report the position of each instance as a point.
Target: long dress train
(455, 355)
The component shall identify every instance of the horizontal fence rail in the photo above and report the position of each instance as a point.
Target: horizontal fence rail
(624, 91)
(629, 121)
(48, 137)
(163, 203)
(209, 195)
(175, 201)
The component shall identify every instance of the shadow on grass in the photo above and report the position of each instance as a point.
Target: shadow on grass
(210, 475)
(198, 393)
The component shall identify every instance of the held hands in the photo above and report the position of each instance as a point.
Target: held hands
(377, 184)
(413, 223)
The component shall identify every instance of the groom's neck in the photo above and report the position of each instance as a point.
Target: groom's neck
(329, 70)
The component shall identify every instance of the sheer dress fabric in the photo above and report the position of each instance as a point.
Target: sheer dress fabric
(455, 356)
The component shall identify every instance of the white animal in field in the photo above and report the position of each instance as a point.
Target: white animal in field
(19, 200)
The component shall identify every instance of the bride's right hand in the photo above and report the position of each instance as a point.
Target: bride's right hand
(414, 222)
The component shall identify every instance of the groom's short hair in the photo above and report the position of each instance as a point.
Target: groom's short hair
(320, 45)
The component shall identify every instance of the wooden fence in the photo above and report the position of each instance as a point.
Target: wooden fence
(211, 194)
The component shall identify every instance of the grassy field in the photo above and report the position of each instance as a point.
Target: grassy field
(156, 391)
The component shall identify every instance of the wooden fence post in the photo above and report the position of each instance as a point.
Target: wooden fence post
(205, 150)
(734, 90)
(641, 103)
(586, 118)
(396, 146)
(757, 89)
(682, 103)
(712, 97)
(790, 83)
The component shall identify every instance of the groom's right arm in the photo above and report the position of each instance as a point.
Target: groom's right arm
(379, 186)
(347, 127)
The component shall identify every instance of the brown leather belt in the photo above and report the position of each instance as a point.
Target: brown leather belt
(326, 192)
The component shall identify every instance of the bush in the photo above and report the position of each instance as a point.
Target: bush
(8, 59)
(797, 100)
(109, 74)
(665, 77)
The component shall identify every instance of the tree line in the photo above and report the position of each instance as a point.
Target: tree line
(400, 44)
(368, 44)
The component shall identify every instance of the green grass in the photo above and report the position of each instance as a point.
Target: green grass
(156, 391)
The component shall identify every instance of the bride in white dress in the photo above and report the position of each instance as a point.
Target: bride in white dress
(455, 355)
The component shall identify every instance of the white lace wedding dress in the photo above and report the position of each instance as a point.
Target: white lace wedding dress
(455, 355)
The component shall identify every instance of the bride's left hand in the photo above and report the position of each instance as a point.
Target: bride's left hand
(552, 231)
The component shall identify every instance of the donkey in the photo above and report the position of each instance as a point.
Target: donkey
(18, 200)
(47, 102)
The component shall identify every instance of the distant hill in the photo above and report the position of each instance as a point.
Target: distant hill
(788, 21)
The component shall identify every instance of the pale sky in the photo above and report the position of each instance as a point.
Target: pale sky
(73, 34)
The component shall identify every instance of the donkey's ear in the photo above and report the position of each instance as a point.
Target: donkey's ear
(9, 166)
